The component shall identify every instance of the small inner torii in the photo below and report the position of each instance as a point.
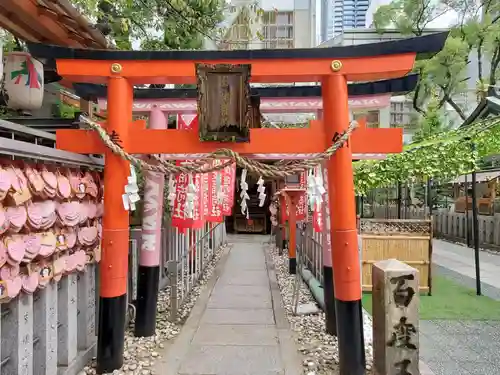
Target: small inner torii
(333, 67)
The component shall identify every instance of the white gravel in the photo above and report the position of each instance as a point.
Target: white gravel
(320, 349)
(141, 352)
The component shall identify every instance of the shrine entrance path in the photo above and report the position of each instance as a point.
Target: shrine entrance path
(238, 325)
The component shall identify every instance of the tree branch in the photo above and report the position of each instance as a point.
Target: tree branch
(455, 106)
(495, 62)
(416, 107)
(480, 59)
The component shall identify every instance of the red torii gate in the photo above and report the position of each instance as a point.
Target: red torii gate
(333, 67)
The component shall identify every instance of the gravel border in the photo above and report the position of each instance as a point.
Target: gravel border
(141, 353)
(319, 348)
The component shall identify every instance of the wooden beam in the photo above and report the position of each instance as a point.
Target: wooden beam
(262, 141)
(32, 16)
(58, 15)
(270, 70)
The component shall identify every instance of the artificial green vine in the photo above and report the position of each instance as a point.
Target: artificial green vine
(444, 156)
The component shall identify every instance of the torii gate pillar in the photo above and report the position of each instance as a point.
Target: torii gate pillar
(344, 240)
(115, 236)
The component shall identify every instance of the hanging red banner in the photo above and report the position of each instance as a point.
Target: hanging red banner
(301, 211)
(179, 218)
(205, 192)
(318, 220)
(186, 122)
(227, 186)
(214, 208)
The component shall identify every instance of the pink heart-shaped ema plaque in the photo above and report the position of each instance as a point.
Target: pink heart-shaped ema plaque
(8, 272)
(14, 286)
(15, 248)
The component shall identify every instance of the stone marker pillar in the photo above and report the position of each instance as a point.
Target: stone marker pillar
(395, 318)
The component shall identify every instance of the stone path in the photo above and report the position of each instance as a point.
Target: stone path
(238, 325)
(460, 347)
(457, 262)
(463, 347)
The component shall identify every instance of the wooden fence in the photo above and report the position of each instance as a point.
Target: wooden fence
(449, 225)
(409, 241)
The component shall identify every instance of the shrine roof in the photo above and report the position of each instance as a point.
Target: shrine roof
(396, 86)
(50, 21)
(423, 46)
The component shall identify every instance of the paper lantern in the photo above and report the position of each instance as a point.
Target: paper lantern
(23, 81)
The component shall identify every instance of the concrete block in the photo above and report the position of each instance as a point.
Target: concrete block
(86, 308)
(67, 318)
(395, 318)
(17, 336)
(45, 331)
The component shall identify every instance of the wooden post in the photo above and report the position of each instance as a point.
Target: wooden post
(395, 318)
(149, 261)
(114, 262)
(345, 257)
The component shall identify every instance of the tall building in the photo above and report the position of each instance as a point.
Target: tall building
(349, 14)
(326, 22)
(338, 15)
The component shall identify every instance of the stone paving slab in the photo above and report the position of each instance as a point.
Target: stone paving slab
(248, 266)
(236, 335)
(238, 316)
(244, 290)
(239, 301)
(244, 277)
(232, 360)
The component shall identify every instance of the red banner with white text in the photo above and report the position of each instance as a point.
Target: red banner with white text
(205, 193)
(228, 180)
(214, 207)
(179, 218)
